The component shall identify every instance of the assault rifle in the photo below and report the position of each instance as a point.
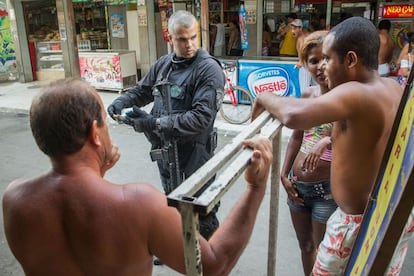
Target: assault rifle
(168, 153)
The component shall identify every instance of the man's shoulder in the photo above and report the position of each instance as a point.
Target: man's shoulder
(23, 184)
(13, 187)
(378, 89)
(144, 193)
(204, 59)
(19, 193)
(163, 59)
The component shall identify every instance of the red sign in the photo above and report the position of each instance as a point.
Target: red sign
(398, 11)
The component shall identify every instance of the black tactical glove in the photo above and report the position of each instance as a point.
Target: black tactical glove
(115, 108)
(140, 120)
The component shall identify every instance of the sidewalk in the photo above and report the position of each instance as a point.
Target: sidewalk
(17, 97)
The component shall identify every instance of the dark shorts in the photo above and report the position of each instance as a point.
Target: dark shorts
(317, 196)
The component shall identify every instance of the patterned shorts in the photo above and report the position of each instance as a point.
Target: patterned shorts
(336, 246)
(341, 232)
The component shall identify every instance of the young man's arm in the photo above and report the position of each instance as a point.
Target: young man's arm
(298, 113)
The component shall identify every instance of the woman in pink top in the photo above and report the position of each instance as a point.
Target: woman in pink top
(306, 169)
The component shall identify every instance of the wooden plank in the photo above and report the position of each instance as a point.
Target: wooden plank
(235, 162)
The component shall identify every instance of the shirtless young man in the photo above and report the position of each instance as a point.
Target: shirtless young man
(305, 78)
(363, 109)
(306, 169)
(386, 48)
(297, 31)
(71, 221)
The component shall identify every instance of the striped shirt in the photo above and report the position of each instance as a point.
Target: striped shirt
(313, 136)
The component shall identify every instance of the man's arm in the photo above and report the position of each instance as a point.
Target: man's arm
(222, 251)
(140, 94)
(298, 113)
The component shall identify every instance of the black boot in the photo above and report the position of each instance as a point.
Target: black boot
(157, 261)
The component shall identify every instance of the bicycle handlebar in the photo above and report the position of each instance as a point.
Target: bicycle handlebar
(230, 67)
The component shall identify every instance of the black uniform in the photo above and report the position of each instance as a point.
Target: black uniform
(196, 88)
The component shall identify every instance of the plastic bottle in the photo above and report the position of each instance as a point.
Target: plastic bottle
(244, 43)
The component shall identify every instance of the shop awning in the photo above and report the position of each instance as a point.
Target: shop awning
(298, 2)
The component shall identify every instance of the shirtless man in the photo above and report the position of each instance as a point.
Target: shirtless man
(363, 110)
(386, 48)
(305, 78)
(71, 221)
(297, 31)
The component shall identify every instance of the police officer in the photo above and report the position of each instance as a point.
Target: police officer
(187, 89)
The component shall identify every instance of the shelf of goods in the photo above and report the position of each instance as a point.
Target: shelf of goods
(97, 39)
(223, 11)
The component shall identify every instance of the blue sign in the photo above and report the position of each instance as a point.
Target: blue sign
(278, 77)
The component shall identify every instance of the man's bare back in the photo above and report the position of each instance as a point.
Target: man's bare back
(93, 243)
(386, 47)
(71, 221)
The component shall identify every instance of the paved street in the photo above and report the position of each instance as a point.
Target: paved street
(21, 158)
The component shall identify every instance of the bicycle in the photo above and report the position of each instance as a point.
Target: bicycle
(237, 104)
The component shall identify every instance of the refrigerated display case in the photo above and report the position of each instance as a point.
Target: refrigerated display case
(109, 70)
(49, 61)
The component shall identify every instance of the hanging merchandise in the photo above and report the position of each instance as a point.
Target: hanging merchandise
(198, 17)
(244, 43)
(165, 13)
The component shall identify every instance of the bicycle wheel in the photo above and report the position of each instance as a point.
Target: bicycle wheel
(241, 111)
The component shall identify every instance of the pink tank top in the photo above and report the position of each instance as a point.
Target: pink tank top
(313, 135)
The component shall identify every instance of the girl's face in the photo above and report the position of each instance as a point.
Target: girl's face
(313, 63)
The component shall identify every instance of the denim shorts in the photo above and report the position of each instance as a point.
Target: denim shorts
(317, 198)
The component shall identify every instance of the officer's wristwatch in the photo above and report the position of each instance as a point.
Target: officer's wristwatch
(158, 124)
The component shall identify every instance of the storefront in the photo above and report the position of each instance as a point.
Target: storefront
(400, 15)
(44, 37)
(100, 26)
(327, 13)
